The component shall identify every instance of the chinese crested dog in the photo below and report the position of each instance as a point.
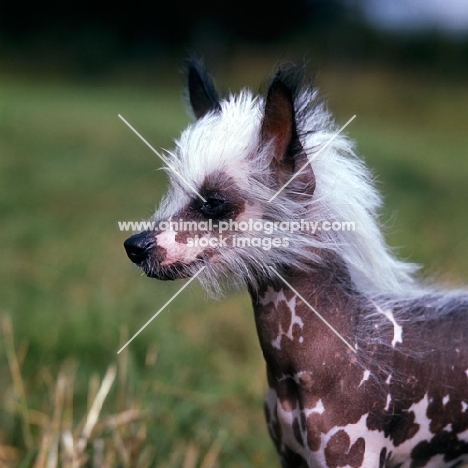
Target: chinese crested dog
(365, 367)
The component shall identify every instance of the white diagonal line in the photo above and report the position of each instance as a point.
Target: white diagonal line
(163, 159)
(314, 311)
(326, 145)
(161, 309)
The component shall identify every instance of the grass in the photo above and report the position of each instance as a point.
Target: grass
(188, 391)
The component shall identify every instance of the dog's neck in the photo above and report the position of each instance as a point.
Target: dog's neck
(289, 329)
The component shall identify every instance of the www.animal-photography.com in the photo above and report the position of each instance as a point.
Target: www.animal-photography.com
(235, 240)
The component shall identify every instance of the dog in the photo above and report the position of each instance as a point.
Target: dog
(366, 366)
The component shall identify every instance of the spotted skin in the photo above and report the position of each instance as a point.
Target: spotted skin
(327, 407)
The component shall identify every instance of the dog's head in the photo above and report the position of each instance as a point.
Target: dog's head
(227, 174)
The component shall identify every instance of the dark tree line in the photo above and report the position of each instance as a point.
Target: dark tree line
(90, 36)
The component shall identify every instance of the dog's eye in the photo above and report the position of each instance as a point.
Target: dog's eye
(214, 208)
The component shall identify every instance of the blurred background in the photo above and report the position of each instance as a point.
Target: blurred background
(188, 391)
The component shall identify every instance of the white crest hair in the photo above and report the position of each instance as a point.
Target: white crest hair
(229, 141)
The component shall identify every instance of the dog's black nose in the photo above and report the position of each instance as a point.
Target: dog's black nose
(138, 246)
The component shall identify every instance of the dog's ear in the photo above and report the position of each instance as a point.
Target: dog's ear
(279, 128)
(202, 94)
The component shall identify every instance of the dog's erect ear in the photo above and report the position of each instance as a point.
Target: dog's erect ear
(201, 91)
(279, 127)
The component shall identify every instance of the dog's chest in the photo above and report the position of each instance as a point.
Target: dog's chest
(308, 390)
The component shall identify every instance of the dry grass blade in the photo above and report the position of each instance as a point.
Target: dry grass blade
(123, 369)
(211, 457)
(96, 407)
(125, 417)
(53, 452)
(68, 445)
(191, 456)
(209, 460)
(120, 447)
(15, 370)
(49, 449)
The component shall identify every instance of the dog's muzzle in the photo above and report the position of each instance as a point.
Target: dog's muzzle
(139, 246)
(143, 250)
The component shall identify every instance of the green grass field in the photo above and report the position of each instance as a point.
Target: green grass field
(188, 391)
